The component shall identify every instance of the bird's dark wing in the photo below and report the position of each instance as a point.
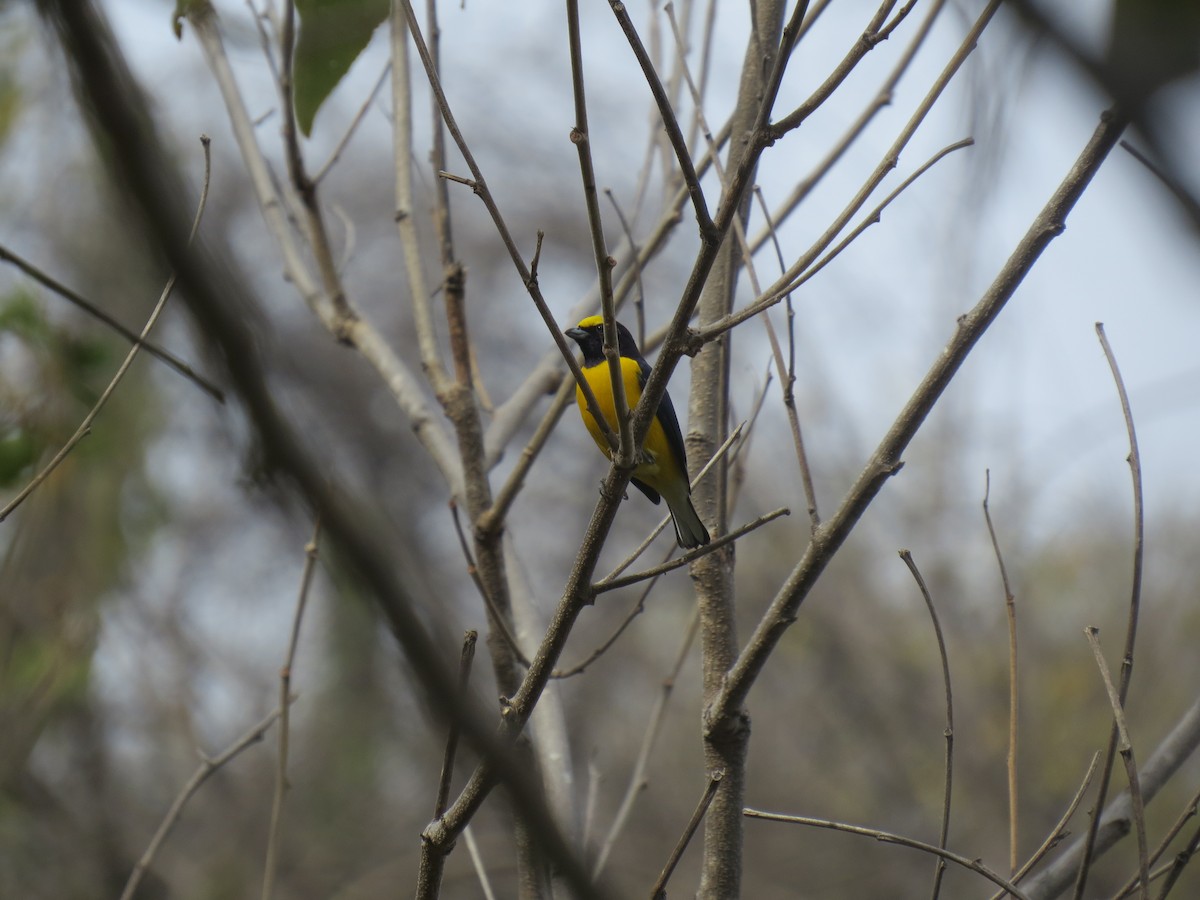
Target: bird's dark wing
(668, 419)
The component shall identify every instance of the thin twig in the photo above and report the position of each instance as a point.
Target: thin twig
(1188, 813)
(1178, 190)
(495, 614)
(638, 607)
(1135, 598)
(607, 583)
(273, 202)
(669, 122)
(406, 225)
(885, 461)
(866, 42)
(208, 766)
(888, 838)
(1010, 609)
(637, 777)
(940, 868)
(748, 263)
(639, 294)
(85, 426)
(1125, 748)
(264, 39)
(613, 584)
(96, 312)
(479, 185)
(1176, 748)
(466, 657)
(1177, 865)
(805, 268)
(1058, 832)
(787, 377)
(626, 453)
(496, 514)
(485, 883)
(799, 271)
(285, 693)
(633, 557)
(882, 98)
(659, 890)
(353, 127)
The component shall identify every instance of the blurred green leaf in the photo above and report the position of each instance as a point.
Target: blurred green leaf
(1153, 42)
(18, 450)
(21, 314)
(10, 105)
(332, 35)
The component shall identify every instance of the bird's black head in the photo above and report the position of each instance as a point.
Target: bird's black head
(589, 335)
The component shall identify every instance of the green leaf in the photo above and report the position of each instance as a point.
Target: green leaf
(332, 35)
(21, 314)
(18, 450)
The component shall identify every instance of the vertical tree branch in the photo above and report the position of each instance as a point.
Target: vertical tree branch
(948, 783)
(886, 460)
(285, 692)
(1135, 599)
(1010, 609)
(725, 743)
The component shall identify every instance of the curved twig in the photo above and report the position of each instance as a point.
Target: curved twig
(1135, 598)
(888, 838)
(886, 460)
(949, 780)
(1058, 832)
(207, 768)
(285, 693)
(85, 426)
(97, 313)
(1010, 608)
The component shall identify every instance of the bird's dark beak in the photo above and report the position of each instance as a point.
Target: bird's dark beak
(575, 334)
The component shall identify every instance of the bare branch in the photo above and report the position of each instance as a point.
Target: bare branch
(949, 779)
(659, 891)
(717, 543)
(1010, 608)
(626, 452)
(464, 676)
(96, 312)
(637, 778)
(881, 99)
(285, 700)
(1135, 599)
(496, 616)
(340, 147)
(1181, 859)
(208, 766)
(805, 268)
(886, 837)
(886, 460)
(395, 375)
(1058, 832)
(85, 426)
(1115, 823)
(1125, 748)
(479, 186)
(667, 117)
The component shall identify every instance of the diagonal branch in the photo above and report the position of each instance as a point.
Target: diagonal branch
(96, 312)
(886, 460)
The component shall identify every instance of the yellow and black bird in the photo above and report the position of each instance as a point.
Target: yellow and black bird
(664, 471)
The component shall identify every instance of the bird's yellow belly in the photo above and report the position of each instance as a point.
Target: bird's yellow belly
(655, 455)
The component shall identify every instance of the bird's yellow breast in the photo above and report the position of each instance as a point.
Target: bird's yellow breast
(659, 466)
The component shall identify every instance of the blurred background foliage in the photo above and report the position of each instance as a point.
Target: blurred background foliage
(147, 588)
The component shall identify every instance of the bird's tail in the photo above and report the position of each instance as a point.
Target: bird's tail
(689, 530)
